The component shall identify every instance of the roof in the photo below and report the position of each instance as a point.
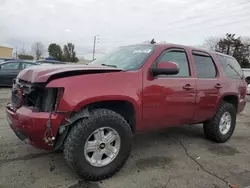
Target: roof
(5, 59)
(5, 47)
(50, 61)
(19, 60)
(185, 46)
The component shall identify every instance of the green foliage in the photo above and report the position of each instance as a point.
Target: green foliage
(26, 57)
(69, 53)
(238, 47)
(55, 51)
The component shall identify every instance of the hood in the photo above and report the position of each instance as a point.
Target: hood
(46, 73)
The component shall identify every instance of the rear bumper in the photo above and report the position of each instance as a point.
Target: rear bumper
(30, 126)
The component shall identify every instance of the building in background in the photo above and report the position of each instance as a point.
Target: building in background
(6, 52)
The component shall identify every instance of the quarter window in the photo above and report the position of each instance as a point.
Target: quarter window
(230, 66)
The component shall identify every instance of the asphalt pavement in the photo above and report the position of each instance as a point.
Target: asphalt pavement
(178, 157)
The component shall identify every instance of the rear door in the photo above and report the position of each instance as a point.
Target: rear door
(208, 85)
(169, 100)
(9, 71)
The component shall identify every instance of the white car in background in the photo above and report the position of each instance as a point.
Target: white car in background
(246, 73)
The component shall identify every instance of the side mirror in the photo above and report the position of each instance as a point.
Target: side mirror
(165, 68)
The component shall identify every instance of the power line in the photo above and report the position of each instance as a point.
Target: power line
(233, 22)
(204, 14)
(209, 23)
(190, 18)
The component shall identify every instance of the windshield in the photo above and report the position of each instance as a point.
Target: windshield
(126, 58)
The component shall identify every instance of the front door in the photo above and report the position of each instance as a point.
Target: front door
(169, 100)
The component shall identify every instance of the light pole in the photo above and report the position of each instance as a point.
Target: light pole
(96, 39)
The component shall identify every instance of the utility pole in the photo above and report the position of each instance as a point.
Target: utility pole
(16, 53)
(37, 51)
(96, 39)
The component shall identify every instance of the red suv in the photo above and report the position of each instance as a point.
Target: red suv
(91, 111)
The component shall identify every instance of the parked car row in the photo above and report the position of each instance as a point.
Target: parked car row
(9, 69)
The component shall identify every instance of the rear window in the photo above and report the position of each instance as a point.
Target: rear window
(230, 66)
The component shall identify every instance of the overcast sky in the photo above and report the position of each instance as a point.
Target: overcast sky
(119, 22)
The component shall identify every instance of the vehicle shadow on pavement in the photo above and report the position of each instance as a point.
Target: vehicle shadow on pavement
(161, 156)
(182, 154)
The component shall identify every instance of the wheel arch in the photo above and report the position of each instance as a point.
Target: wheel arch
(128, 107)
(231, 98)
(123, 107)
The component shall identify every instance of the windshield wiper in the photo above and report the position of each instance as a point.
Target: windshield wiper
(109, 65)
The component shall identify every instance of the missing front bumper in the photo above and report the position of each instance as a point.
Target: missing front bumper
(20, 134)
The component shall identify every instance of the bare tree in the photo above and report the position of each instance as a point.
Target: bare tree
(23, 50)
(38, 49)
(211, 43)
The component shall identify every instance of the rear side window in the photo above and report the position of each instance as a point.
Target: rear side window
(230, 66)
(205, 67)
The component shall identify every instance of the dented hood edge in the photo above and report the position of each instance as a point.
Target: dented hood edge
(44, 74)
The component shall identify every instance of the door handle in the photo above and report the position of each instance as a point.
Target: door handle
(218, 86)
(188, 87)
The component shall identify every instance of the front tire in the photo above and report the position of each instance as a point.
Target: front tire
(221, 127)
(97, 147)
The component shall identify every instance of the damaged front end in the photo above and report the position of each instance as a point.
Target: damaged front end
(39, 108)
(40, 100)
(36, 97)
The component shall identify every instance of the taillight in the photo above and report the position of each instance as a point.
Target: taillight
(59, 96)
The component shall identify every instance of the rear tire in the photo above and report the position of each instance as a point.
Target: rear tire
(221, 127)
(75, 150)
